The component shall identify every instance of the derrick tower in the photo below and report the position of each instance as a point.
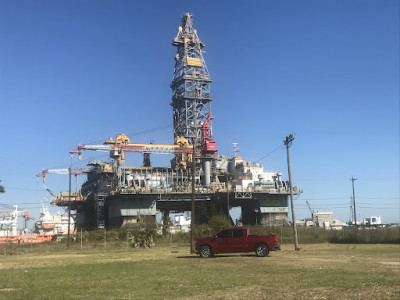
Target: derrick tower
(191, 99)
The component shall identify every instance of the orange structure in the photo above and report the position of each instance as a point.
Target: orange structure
(26, 238)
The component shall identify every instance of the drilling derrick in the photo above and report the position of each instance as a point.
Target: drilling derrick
(191, 99)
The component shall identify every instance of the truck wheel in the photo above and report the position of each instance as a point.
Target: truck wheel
(205, 251)
(262, 250)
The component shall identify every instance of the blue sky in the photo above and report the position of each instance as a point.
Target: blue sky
(75, 72)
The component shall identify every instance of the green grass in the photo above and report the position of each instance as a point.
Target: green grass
(169, 272)
(312, 235)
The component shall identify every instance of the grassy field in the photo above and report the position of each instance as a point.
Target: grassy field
(318, 271)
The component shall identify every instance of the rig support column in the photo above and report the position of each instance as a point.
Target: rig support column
(100, 199)
(207, 172)
(192, 217)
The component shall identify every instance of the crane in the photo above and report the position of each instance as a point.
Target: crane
(309, 208)
(60, 171)
(122, 144)
(208, 145)
(62, 197)
(8, 221)
(48, 190)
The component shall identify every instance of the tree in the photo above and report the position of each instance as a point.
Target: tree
(1, 188)
(166, 223)
(218, 222)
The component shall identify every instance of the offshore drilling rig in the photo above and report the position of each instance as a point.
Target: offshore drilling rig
(114, 194)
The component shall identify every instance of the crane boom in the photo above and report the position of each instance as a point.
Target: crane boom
(61, 171)
(121, 144)
(48, 190)
(136, 148)
(309, 207)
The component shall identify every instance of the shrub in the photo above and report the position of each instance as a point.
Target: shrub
(8, 249)
(140, 234)
(166, 224)
(217, 222)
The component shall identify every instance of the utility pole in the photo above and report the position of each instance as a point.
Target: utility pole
(354, 204)
(227, 196)
(69, 207)
(288, 142)
(192, 219)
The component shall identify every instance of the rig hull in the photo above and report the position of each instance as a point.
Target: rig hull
(114, 196)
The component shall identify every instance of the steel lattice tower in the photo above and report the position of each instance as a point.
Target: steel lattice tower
(191, 100)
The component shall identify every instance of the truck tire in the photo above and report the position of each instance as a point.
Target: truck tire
(205, 251)
(262, 250)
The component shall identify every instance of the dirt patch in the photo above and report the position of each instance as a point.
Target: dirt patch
(261, 292)
(8, 289)
(391, 263)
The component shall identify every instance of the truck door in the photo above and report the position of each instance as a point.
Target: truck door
(238, 242)
(223, 241)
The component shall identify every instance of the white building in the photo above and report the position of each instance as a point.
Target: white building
(181, 224)
(373, 220)
(322, 218)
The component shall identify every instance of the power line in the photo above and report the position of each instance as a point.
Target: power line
(397, 198)
(318, 199)
(150, 130)
(346, 198)
(378, 204)
(23, 203)
(342, 179)
(139, 132)
(81, 161)
(269, 153)
(23, 189)
(377, 208)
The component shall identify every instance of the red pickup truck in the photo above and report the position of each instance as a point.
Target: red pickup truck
(236, 239)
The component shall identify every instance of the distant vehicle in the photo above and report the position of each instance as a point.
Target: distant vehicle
(235, 240)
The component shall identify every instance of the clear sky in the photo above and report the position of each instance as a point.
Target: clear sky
(77, 72)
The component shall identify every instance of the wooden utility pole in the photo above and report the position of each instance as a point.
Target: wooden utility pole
(354, 205)
(192, 217)
(69, 209)
(288, 142)
(227, 197)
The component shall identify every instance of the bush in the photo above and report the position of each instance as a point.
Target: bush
(8, 249)
(144, 234)
(367, 236)
(203, 230)
(140, 235)
(217, 223)
(166, 224)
